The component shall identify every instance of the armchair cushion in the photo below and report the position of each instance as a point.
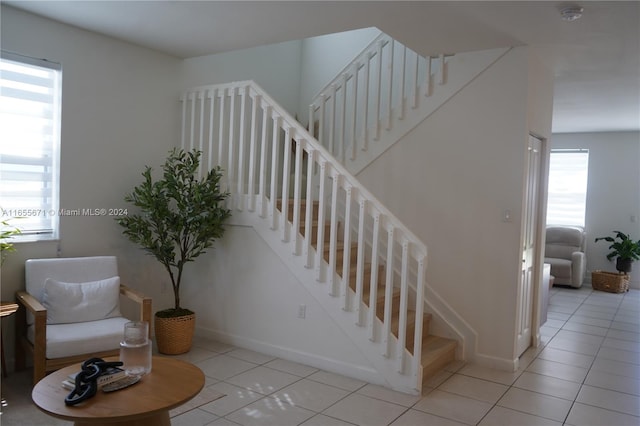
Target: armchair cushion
(80, 302)
(564, 250)
(87, 337)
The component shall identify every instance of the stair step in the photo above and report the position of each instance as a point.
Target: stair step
(436, 353)
(303, 208)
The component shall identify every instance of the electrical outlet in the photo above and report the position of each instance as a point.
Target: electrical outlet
(302, 311)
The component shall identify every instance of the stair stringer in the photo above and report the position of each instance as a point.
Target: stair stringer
(461, 70)
(386, 367)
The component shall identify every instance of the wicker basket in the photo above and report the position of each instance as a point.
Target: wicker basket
(174, 335)
(610, 281)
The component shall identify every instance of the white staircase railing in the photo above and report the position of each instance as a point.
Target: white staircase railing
(370, 93)
(270, 158)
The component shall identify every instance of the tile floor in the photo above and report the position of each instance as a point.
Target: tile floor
(586, 372)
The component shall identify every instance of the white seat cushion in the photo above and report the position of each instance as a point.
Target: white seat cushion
(84, 337)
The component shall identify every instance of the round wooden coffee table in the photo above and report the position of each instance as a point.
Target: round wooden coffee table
(170, 384)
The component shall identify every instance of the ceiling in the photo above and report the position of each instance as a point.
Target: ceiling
(595, 60)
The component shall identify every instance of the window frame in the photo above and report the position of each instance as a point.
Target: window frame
(48, 227)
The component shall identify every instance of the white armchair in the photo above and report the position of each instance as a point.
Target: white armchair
(70, 312)
(564, 250)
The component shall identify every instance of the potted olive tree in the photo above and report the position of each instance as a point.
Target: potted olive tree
(180, 216)
(624, 249)
(6, 232)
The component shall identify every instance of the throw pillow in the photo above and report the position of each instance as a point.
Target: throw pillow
(81, 302)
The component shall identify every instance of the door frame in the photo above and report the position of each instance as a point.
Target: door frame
(540, 238)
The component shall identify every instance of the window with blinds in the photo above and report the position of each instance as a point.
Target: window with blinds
(30, 98)
(567, 199)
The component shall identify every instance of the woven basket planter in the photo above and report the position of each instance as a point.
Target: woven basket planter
(610, 281)
(175, 335)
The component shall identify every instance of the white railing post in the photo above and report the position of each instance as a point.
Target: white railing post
(212, 102)
(275, 155)
(297, 189)
(390, 86)
(319, 263)
(308, 220)
(354, 112)
(221, 145)
(402, 83)
(346, 251)
(427, 78)
(365, 105)
(360, 260)
(231, 142)
(252, 153)
(388, 293)
(373, 292)
(241, 148)
(264, 146)
(286, 176)
(333, 238)
(343, 122)
(404, 296)
(378, 91)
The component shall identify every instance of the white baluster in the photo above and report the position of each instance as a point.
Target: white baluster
(184, 99)
(264, 149)
(416, 89)
(442, 69)
(310, 126)
(373, 294)
(360, 261)
(320, 276)
(231, 143)
(275, 155)
(212, 102)
(388, 294)
(343, 122)
(378, 91)
(404, 295)
(297, 189)
(417, 338)
(308, 221)
(354, 112)
(333, 238)
(321, 120)
(192, 130)
(365, 103)
(346, 252)
(289, 133)
(402, 83)
(332, 120)
(427, 77)
(221, 139)
(252, 152)
(241, 148)
(202, 96)
(390, 86)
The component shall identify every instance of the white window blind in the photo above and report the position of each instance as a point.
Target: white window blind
(567, 200)
(30, 99)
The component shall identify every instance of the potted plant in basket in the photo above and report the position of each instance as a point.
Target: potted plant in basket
(180, 216)
(624, 249)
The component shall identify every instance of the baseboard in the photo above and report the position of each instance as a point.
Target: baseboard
(503, 364)
(338, 367)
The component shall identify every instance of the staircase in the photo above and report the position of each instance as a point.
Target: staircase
(436, 351)
(359, 262)
(385, 92)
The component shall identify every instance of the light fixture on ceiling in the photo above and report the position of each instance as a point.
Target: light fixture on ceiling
(571, 13)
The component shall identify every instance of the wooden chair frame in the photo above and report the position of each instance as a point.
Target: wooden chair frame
(38, 350)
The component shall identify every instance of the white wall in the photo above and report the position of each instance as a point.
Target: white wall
(119, 113)
(613, 191)
(451, 178)
(324, 57)
(275, 67)
(243, 294)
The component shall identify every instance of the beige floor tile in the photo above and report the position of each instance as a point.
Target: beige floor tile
(415, 418)
(263, 380)
(616, 368)
(548, 385)
(362, 410)
(588, 415)
(471, 387)
(453, 407)
(389, 395)
(605, 380)
(558, 370)
(195, 417)
(337, 380)
(501, 416)
(310, 395)
(536, 404)
(609, 400)
(291, 367)
(619, 355)
(322, 420)
(573, 346)
(234, 399)
(222, 367)
(270, 412)
(585, 328)
(250, 356)
(490, 374)
(625, 345)
(566, 357)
